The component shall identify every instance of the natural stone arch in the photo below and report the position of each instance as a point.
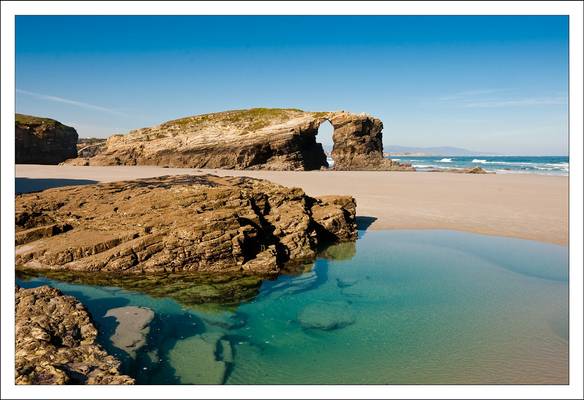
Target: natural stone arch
(259, 138)
(324, 138)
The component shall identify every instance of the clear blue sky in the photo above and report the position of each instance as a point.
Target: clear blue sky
(495, 84)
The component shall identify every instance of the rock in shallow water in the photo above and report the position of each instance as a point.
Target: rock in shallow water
(326, 316)
(56, 342)
(132, 329)
(180, 223)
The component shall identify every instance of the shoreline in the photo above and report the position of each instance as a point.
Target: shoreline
(524, 206)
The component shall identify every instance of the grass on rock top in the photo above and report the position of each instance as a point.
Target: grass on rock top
(249, 120)
(22, 119)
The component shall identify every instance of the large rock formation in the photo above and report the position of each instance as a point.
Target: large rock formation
(358, 143)
(179, 223)
(56, 342)
(259, 138)
(43, 140)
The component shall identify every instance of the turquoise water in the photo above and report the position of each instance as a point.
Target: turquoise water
(541, 165)
(396, 307)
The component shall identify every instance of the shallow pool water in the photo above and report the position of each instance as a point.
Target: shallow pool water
(396, 307)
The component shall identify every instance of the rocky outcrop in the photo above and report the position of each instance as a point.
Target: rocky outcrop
(43, 140)
(358, 144)
(258, 138)
(56, 342)
(175, 224)
(90, 147)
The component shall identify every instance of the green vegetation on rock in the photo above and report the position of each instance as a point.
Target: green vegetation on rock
(23, 119)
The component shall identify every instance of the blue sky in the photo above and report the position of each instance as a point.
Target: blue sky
(489, 83)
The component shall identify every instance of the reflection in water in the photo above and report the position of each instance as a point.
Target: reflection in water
(402, 307)
(196, 290)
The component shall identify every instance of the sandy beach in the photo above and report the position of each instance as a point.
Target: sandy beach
(531, 207)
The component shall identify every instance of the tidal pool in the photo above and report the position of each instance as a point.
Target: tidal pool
(396, 307)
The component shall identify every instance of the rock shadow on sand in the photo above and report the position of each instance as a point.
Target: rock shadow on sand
(28, 185)
(364, 222)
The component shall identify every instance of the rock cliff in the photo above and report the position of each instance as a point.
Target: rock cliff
(180, 223)
(258, 138)
(43, 140)
(56, 342)
(358, 143)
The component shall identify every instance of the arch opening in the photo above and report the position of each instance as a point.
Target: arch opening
(324, 136)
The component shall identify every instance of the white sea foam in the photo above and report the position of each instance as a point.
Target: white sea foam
(518, 163)
(445, 160)
(423, 166)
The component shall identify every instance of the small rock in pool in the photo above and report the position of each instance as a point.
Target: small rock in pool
(132, 329)
(326, 316)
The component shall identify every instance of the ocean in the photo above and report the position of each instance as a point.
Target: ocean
(541, 165)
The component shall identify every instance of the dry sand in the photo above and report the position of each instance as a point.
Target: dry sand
(523, 206)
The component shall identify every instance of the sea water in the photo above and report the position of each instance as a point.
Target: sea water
(396, 307)
(541, 165)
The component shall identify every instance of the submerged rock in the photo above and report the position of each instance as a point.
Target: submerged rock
(225, 319)
(326, 316)
(345, 283)
(195, 358)
(294, 285)
(43, 140)
(132, 329)
(56, 342)
(258, 138)
(226, 351)
(179, 223)
(339, 251)
(204, 291)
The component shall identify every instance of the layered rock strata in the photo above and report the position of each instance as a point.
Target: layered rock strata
(358, 144)
(56, 342)
(176, 224)
(43, 140)
(258, 138)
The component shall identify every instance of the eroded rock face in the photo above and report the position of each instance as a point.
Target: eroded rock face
(259, 138)
(358, 144)
(43, 140)
(179, 223)
(56, 342)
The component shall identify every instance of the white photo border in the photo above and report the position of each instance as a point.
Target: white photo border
(573, 9)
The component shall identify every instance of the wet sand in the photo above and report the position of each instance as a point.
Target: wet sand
(523, 206)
